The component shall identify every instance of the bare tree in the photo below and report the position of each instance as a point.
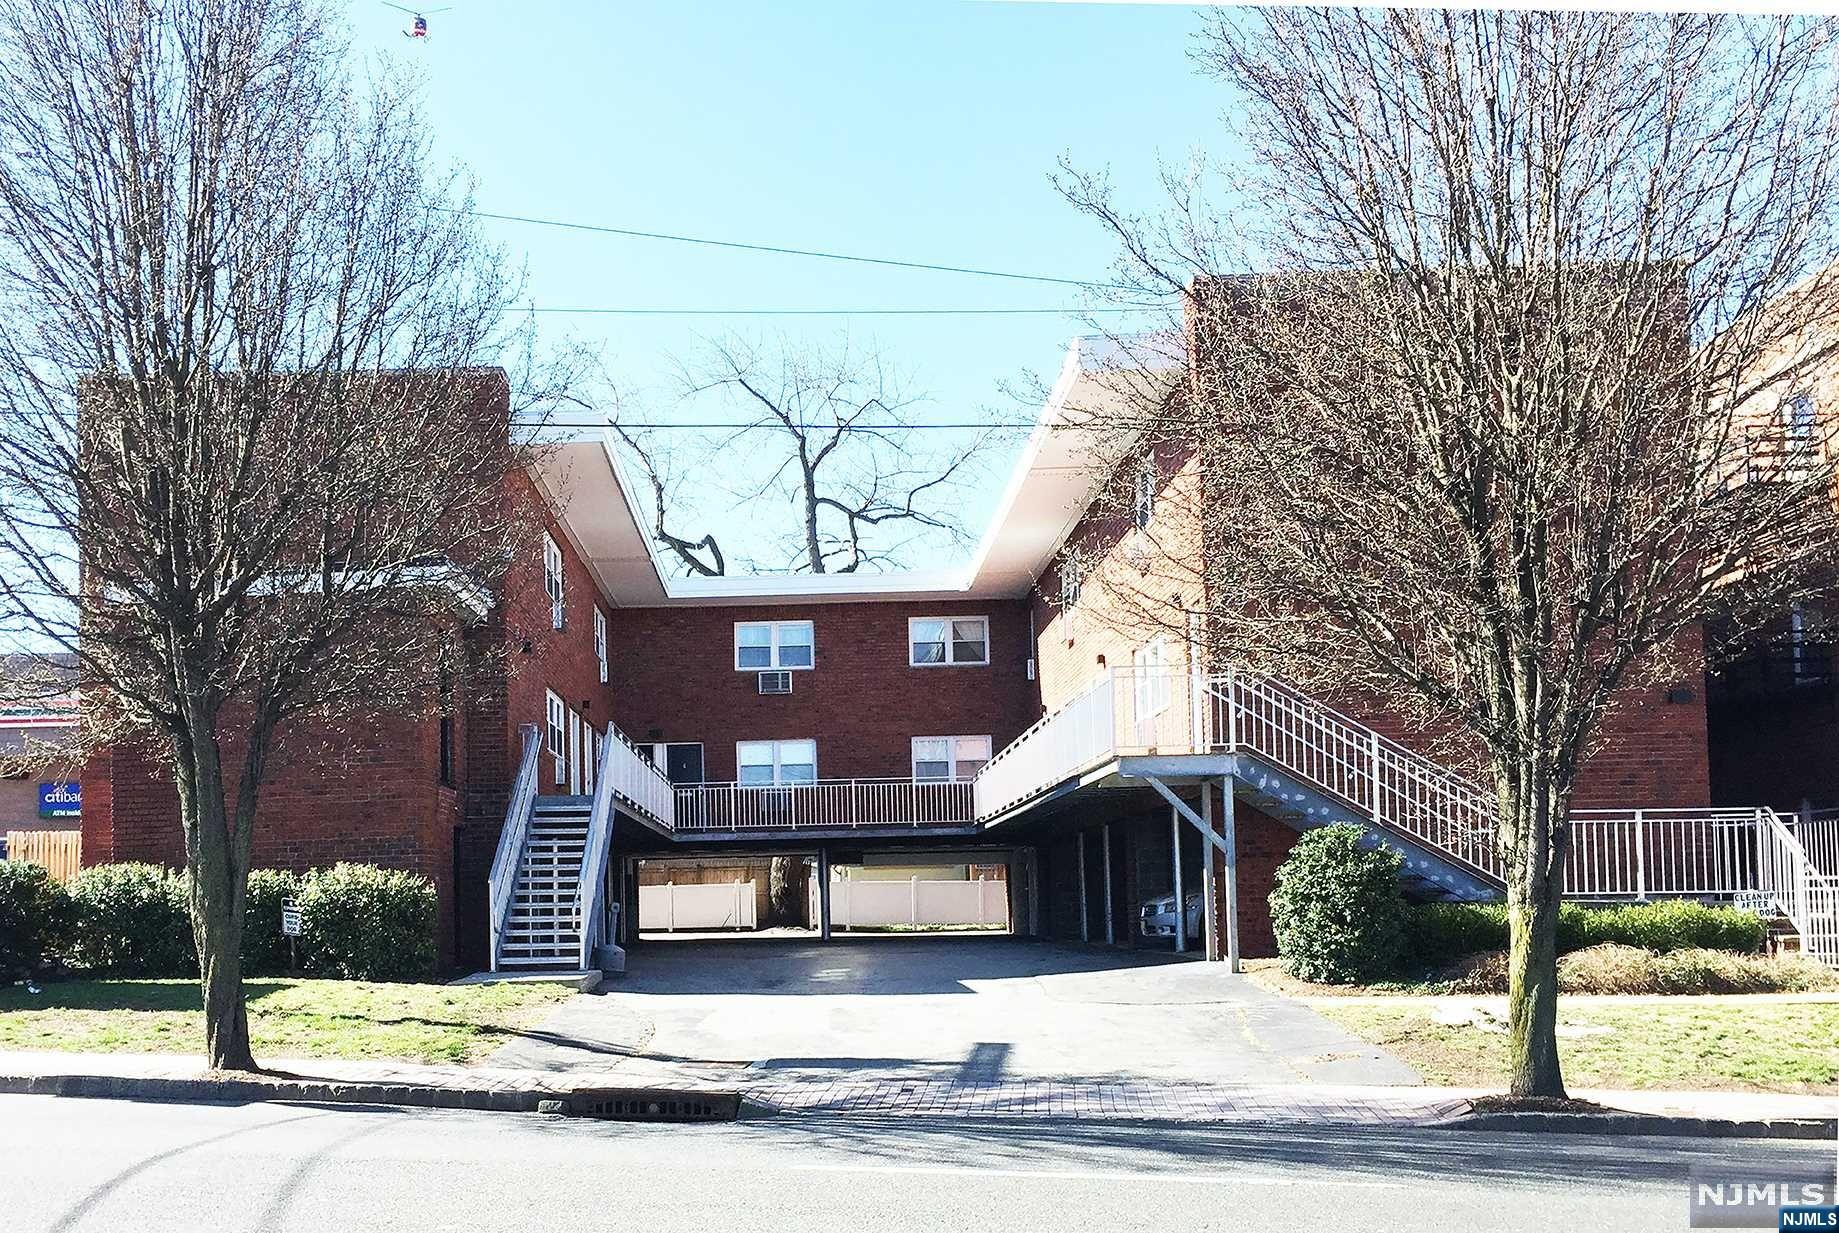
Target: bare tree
(251, 469)
(829, 433)
(1499, 430)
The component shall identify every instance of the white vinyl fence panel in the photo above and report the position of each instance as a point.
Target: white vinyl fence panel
(860, 903)
(712, 905)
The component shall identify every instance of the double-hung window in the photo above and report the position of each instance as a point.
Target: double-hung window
(948, 640)
(940, 758)
(552, 578)
(557, 738)
(1143, 495)
(1150, 663)
(1070, 579)
(776, 763)
(600, 641)
(764, 646)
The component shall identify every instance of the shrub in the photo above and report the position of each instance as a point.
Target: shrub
(1337, 910)
(1607, 968)
(359, 922)
(132, 920)
(1436, 934)
(265, 948)
(1720, 971)
(35, 919)
(1674, 924)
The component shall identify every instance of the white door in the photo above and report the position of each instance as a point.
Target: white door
(574, 754)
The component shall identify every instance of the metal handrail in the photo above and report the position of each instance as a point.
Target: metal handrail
(825, 803)
(502, 884)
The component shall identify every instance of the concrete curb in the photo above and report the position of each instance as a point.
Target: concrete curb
(618, 1104)
(1647, 1124)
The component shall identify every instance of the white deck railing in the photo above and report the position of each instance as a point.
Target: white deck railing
(847, 804)
(1819, 835)
(628, 779)
(1615, 853)
(503, 879)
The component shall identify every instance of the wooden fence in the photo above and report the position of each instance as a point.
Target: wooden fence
(59, 851)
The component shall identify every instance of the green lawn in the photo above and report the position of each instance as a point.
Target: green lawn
(1691, 1044)
(287, 1018)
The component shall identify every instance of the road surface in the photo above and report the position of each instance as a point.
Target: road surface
(125, 1165)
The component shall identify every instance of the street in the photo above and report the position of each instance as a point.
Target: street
(122, 1165)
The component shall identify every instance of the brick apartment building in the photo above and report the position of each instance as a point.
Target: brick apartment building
(1007, 715)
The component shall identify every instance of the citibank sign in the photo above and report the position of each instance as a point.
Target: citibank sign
(60, 800)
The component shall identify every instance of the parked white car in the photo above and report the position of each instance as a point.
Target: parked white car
(1158, 916)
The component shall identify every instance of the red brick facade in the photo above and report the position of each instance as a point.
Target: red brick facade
(375, 791)
(675, 680)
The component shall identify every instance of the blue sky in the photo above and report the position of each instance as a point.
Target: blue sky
(923, 132)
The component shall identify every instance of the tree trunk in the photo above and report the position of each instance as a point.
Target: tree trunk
(781, 894)
(216, 866)
(1537, 845)
(1532, 988)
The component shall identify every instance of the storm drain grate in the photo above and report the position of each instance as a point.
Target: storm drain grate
(651, 1106)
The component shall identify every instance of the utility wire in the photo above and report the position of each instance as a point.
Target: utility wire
(739, 424)
(838, 312)
(784, 251)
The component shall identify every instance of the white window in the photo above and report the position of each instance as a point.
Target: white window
(558, 734)
(1070, 579)
(1143, 497)
(590, 762)
(948, 640)
(600, 641)
(1802, 418)
(1151, 674)
(761, 646)
(764, 763)
(949, 757)
(552, 578)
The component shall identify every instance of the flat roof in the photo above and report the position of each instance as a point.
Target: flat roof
(1072, 447)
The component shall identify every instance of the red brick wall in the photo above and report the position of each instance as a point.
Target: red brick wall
(370, 790)
(675, 680)
(1652, 749)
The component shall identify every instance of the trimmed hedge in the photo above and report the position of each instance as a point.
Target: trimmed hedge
(132, 920)
(1440, 933)
(36, 916)
(1337, 910)
(359, 922)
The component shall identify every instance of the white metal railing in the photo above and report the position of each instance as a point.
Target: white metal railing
(826, 803)
(624, 777)
(1818, 832)
(1805, 896)
(1614, 853)
(1124, 711)
(503, 881)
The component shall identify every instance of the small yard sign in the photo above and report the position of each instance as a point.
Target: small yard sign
(290, 918)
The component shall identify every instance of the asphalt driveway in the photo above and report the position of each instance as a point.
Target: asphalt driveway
(977, 1010)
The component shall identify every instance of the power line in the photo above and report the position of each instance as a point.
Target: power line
(839, 312)
(785, 251)
(739, 424)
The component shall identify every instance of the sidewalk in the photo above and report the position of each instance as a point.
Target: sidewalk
(769, 1091)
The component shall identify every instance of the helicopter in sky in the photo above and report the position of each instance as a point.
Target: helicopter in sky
(418, 25)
